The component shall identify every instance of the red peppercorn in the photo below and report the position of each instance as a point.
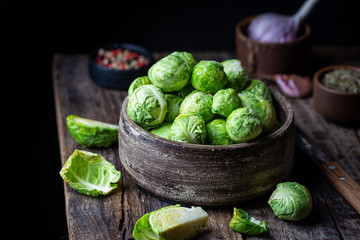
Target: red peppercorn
(122, 59)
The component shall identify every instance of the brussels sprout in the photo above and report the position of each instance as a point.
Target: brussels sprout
(258, 87)
(147, 106)
(173, 106)
(241, 222)
(188, 58)
(170, 223)
(263, 108)
(170, 74)
(198, 103)
(187, 90)
(90, 173)
(138, 82)
(91, 133)
(208, 76)
(188, 128)
(225, 101)
(235, 73)
(291, 201)
(243, 125)
(162, 131)
(216, 133)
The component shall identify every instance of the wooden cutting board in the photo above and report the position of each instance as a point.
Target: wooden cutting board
(114, 216)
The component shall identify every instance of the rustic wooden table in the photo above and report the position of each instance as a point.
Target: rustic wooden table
(113, 217)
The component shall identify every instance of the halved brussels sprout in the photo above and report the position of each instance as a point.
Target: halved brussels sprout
(258, 87)
(241, 222)
(243, 125)
(291, 201)
(170, 74)
(225, 101)
(90, 173)
(147, 106)
(186, 57)
(143, 230)
(170, 223)
(138, 82)
(188, 128)
(178, 223)
(162, 131)
(173, 106)
(235, 73)
(216, 133)
(263, 108)
(208, 76)
(198, 103)
(91, 133)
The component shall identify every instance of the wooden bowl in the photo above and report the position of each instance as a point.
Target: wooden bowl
(208, 175)
(338, 106)
(266, 59)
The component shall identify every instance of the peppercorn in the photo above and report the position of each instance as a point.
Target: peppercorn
(122, 59)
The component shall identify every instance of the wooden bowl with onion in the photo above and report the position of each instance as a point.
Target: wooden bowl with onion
(208, 175)
(339, 106)
(266, 59)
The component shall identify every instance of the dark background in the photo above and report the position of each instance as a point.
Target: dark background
(31, 32)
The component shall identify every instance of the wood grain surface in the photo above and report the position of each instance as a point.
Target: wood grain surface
(113, 217)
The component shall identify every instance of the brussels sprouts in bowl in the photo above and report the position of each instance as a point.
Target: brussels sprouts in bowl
(209, 175)
(190, 136)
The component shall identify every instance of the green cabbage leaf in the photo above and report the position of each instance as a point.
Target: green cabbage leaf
(90, 173)
(241, 222)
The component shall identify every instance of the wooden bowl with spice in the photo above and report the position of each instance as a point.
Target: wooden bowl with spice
(117, 65)
(208, 175)
(337, 93)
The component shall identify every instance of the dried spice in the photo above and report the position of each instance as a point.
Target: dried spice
(122, 59)
(343, 80)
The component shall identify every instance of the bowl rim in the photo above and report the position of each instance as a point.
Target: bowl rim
(247, 20)
(139, 49)
(288, 121)
(329, 68)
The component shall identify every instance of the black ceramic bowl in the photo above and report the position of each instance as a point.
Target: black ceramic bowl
(115, 78)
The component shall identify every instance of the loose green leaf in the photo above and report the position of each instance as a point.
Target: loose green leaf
(90, 173)
(241, 222)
